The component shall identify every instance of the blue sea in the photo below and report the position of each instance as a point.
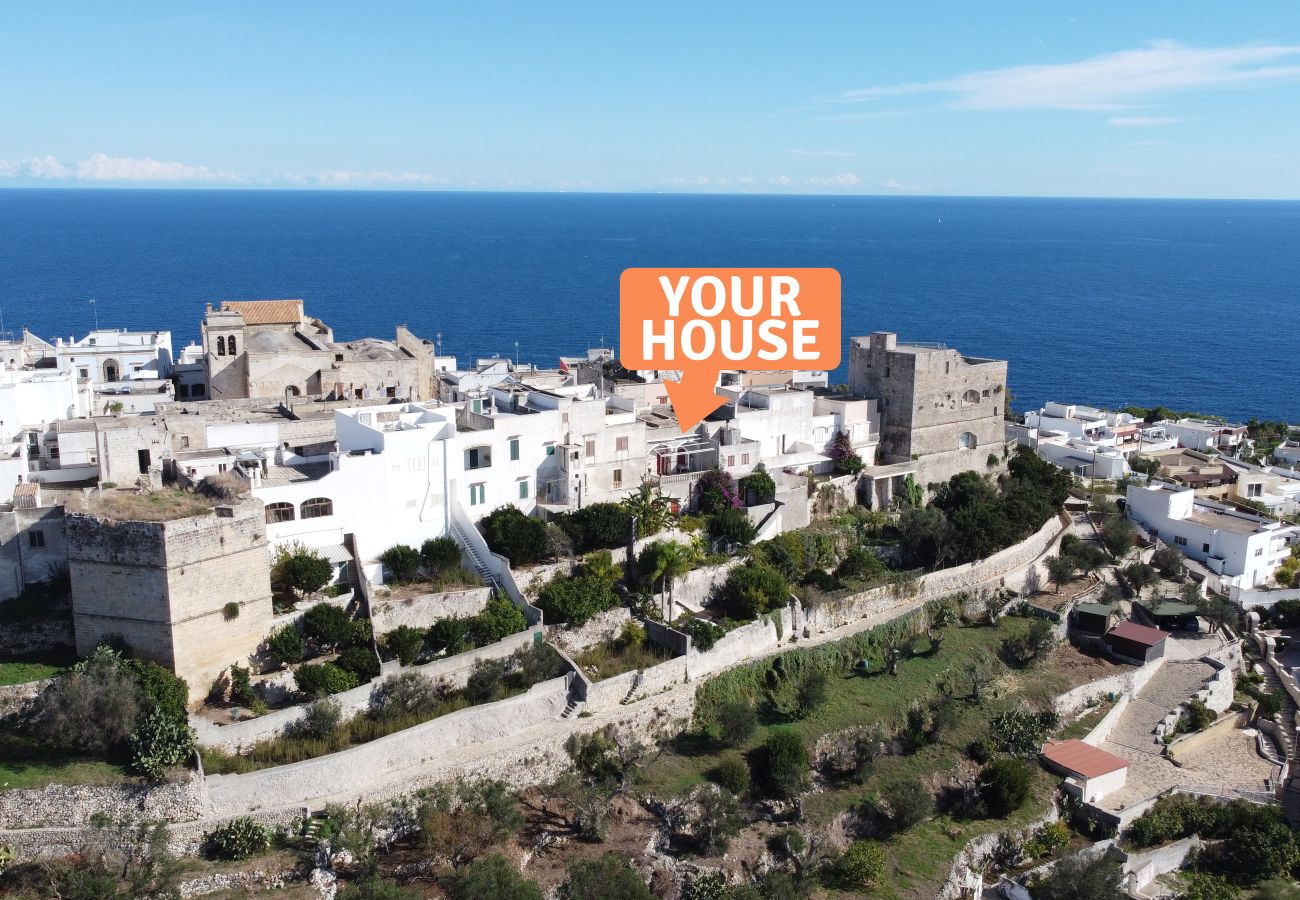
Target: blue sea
(1191, 304)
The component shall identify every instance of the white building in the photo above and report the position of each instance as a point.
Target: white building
(387, 483)
(31, 402)
(1277, 489)
(107, 356)
(1085, 441)
(1204, 434)
(1287, 454)
(1243, 550)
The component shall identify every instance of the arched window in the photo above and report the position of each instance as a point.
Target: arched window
(112, 370)
(279, 512)
(966, 441)
(230, 346)
(317, 507)
(971, 396)
(221, 346)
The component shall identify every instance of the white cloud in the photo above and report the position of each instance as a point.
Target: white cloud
(349, 178)
(102, 167)
(34, 167)
(843, 179)
(821, 152)
(108, 169)
(893, 184)
(1143, 121)
(1110, 81)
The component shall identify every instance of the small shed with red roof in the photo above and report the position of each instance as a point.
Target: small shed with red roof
(1138, 643)
(1094, 770)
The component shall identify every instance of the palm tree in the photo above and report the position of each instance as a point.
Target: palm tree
(668, 561)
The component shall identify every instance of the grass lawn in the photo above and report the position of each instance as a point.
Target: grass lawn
(23, 672)
(26, 763)
(610, 659)
(919, 858)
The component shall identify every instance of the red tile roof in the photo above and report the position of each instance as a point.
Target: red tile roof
(1082, 759)
(1141, 634)
(266, 312)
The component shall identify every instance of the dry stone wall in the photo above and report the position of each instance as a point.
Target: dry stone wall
(423, 610)
(66, 806)
(605, 626)
(451, 670)
(388, 761)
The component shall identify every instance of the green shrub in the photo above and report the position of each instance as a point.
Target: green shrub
(811, 692)
(448, 634)
(703, 633)
(403, 643)
(401, 564)
(326, 625)
(1021, 732)
(518, 537)
(404, 694)
(373, 887)
(758, 487)
(608, 877)
(320, 719)
(286, 644)
(907, 802)
(597, 526)
(323, 679)
(710, 885)
(230, 611)
(360, 661)
(752, 590)
(241, 686)
(861, 864)
(160, 688)
(1047, 840)
(574, 600)
(732, 773)
(161, 742)
(360, 633)
(736, 722)
(494, 878)
(499, 619)
(731, 524)
(784, 763)
(486, 680)
(1004, 786)
(1197, 717)
(297, 570)
(92, 708)
(440, 553)
(859, 564)
(239, 838)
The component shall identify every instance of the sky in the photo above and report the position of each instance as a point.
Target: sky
(1152, 99)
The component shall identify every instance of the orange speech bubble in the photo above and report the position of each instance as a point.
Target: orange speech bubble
(701, 321)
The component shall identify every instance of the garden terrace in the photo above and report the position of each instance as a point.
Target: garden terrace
(920, 856)
(618, 656)
(490, 681)
(163, 505)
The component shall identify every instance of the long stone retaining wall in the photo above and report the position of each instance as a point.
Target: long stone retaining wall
(384, 762)
(602, 627)
(451, 670)
(521, 740)
(423, 610)
(1124, 683)
(70, 806)
(1005, 569)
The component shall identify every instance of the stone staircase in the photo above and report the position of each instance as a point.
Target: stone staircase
(476, 560)
(575, 706)
(1286, 721)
